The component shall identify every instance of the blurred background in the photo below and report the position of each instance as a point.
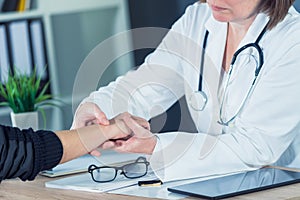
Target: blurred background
(70, 30)
(157, 13)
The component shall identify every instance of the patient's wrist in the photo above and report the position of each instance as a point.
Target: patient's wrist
(112, 131)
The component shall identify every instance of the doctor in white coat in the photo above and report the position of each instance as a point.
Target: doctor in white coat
(237, 63)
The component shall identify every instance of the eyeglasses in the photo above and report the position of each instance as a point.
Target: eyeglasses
(103, 174)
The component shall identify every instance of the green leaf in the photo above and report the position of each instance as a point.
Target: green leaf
(24, 93)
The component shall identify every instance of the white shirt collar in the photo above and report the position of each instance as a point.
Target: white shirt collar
(213, 26)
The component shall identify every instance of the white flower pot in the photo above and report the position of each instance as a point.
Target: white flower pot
(25, 120)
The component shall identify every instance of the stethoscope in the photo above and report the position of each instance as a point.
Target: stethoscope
(198, 99)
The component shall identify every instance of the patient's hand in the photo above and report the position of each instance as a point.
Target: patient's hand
(142, 140)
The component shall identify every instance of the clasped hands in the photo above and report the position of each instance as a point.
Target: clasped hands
(124, 133)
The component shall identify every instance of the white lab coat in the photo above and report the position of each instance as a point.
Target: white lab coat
(266, 131)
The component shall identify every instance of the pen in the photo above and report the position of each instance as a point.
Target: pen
(155, 182)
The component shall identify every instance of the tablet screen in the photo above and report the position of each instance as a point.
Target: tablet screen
(241, 183)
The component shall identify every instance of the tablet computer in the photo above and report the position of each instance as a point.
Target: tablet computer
(237, 184)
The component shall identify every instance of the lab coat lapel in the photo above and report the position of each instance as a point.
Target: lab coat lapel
(255, 29)
(216, 42)
(212, 69)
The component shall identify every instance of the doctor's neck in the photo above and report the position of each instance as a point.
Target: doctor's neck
(239, 28)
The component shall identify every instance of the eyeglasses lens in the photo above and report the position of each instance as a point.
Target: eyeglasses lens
(104, 174)
(135, 170)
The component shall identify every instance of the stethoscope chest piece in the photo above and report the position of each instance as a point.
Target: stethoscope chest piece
(198, 100)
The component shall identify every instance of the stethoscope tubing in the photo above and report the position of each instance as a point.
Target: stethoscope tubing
(200, 91)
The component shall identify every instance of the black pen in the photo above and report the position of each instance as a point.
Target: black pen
(155, 182)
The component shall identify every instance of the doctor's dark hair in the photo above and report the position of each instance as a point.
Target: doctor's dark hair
(275, 9)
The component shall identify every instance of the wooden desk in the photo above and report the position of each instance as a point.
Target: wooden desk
(33, 190)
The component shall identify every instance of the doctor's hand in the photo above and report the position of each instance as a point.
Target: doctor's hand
(141, 141)
(123, 131)
(120, 121)
(87, 114)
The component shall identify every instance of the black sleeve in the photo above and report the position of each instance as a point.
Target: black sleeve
(24, 153)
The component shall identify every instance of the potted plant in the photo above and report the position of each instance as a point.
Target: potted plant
(25, 95)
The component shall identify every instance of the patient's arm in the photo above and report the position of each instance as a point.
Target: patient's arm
(83, 140)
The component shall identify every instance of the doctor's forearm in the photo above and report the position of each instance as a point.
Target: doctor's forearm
(196, 155)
